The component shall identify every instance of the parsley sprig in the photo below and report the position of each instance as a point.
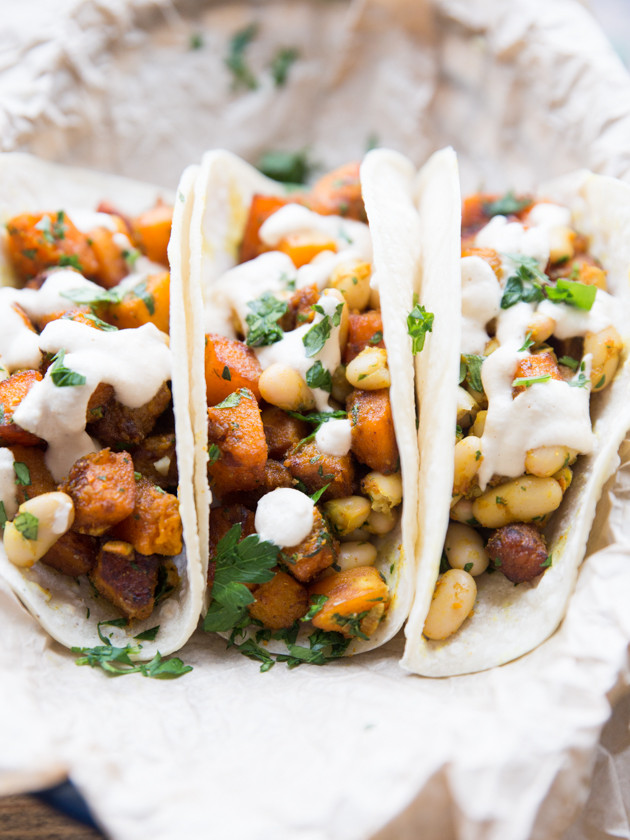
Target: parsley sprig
(116, 661)
(62, 376)
(319, 333)
(242, 76)
(419, 323)
(507, 205)
(263, 320)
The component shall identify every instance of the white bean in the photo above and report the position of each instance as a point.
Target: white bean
(37, 526)
(453, 601)
(465, 549)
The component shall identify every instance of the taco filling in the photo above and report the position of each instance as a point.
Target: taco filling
(87, 442)
(301, 441)
(540, 340)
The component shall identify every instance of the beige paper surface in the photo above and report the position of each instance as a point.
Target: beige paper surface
(524, 92)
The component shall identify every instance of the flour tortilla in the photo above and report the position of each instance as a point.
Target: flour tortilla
(67, 608)
(508, 621)
(223, 193)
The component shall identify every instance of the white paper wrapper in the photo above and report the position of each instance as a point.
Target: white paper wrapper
(524, 92)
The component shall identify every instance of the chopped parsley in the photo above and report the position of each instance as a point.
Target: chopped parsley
(148, 635)
(317, 602)
(319, 493)
(318, 377)
(131, 257)
(376, 338)
(287, 167)
(102, 325)
(226, 373)
(352, 623)
(547, 563)
(419, 323)
(140, 291)
(472, 373)
(93, 296)
(27, 525)
(263, 320)
(527, 343)
(281, 64)
(507, 205)
(70, 260)
(468, 567)
(525, 284)
(3, 515)
(22, 474)
(569, 362)
(528, 381)
(232, 400)
(195, 41)
(116, 661)
(319, 333)
(238, 561)
(573, 293)
(242, 76)
(214, 453)
(62, 376)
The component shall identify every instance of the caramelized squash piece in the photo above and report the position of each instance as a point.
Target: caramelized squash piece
(339, 193)
(373, 434)
(12, 392)
(489, 255)
(151, 232)
(282, 431)
(538, 364)
(33, 478)
(37, 241)
(155, 525)
(365, 329)
(147, 303)
(73, 554)
(126, 579)
(315, 469)
(119, 425)
(261, 208)
(280, 602)
(103, 489)
(109, 256)
(318, 551)
(229, 365)
(304, 246)
(357, 601)
(237, 431)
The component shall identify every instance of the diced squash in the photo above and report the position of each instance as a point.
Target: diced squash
(357, 600)
(111, 263)
(261, 208)
(304, 246)
(316, 470)
(229, 365)
(146, 303)
(489, 255)
(280, 602)
(128, 580)
(373, 434)
(318, 551)
(34, 477)
(282, 431)
(152, 231)
(365, 329)
(12, 392)
(339, 193)
(155, 525)
(538, 364)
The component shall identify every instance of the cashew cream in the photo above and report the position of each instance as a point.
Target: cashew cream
(135, 362)
(334, 437)
(7, 482)
(284, 517)
(549, 413)
(86, 220)
(514, 238)
(290, 350)
(19, 344)
(318, 271)
(481, 296)
(293, 218)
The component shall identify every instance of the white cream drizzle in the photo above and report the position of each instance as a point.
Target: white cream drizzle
(86, 220)
(334, 437)
(135, 362)
(481, 296)
(290, 350)
(7, 483)
(514, 238)
(284, 517)
(293, 218)
(19, 345)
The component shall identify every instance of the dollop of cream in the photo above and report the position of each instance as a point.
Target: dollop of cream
(284, 517)
(514, 238)
(334, 437)
(481, 298)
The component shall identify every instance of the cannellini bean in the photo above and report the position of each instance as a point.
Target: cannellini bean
(462, 511)
(352, 279)
(491, 346)
(547, 460)
(605, 347)
(466, 407)
(453, 601)
(341, 388)
(465, 549)
(592, 275)
(347, 514)
(37, 526)
(384, 491)
(561, 246)
(379, 522)
(375, 298)
(343, 323)
(468, 459)
(354, 554)
(540, 327)
(369, 370)
(523, 499)
(480, 423)
(282, 385)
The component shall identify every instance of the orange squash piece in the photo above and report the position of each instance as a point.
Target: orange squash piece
(229, 365)
(261, 208)
(372, 426)
(357, 600)
(365, 329)
(151, 232)
(12, 392)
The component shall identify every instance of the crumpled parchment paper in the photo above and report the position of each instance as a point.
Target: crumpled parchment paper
(357, 749)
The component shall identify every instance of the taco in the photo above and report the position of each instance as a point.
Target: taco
(305, 416)
(540, 339)
(95, 439)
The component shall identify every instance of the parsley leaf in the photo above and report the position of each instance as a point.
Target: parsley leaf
(62, 376)
(318, 377)
(281, 64)
(214, 453)
(140, 291)
(507, 205)
(528, 381)
(70, 260)
(263, 320)
(148, 635)
(238, 562)
(27, 525)
(319, 493)
(319, 333)
(569, 362)
(233, 399)
(102, 325)
(3, 515)
(22, 474)
(91, 297)
(287, 167)
(573, 293)
(547, 562)
(419, 323)
(525, 284)
(235, 60)
(473, 364)
(317, 602)
(352, 623)
(527, 343)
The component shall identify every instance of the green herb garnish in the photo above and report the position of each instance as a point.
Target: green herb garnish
(473, 364)
(287, 167)
(27, 525)
(528, 381)
(419, 323)
(572, 293)
(70, 260)
(525, 284)
(507, 205)
(318, 377)
(281, 64)
(62, 376)
(235, 60)
(263, 320)
(22, 474)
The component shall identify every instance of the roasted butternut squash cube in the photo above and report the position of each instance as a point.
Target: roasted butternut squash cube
(32, 475)
(318, 551)
(12, 392)
(73, 554)
(280, 602)
(147, 303)
(128, 580)
(155, 525)
(365, 329)
(339, 193)
(316, 469)
(282, 431)
(357, 601)
(373, 434)
(229, 365)
(151, 232)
